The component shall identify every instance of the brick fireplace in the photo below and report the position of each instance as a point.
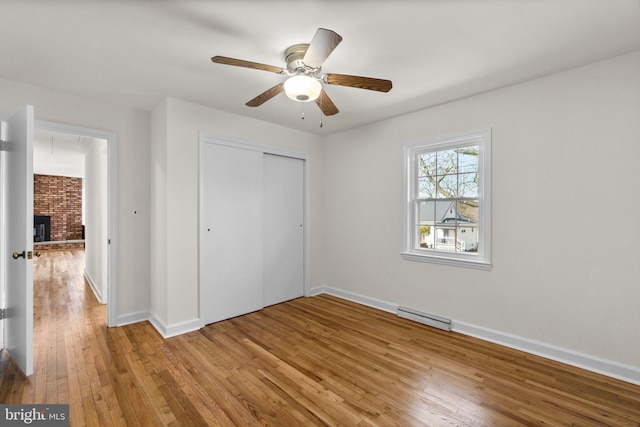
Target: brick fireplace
(60, 199)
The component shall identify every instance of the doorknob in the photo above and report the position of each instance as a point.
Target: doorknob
(37, 253)
(17, 255)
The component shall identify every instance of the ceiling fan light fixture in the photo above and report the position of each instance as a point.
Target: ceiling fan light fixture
(302, 88)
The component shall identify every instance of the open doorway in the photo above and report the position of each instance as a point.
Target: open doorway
(70, 200)
(74, 156)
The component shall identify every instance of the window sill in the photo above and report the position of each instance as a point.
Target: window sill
(455, 262)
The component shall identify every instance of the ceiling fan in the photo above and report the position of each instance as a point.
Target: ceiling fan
(304, 63)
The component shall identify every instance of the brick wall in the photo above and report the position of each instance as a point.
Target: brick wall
(59, 197)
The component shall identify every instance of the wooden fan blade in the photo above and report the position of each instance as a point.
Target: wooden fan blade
(321, 46)
(266, 95)
(326, 104)
(247, 64)
(368, 83)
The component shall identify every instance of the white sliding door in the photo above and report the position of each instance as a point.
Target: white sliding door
(283, 228)
(252, 237)
(231, 273)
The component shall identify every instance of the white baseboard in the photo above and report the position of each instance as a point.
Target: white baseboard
(357, 298)
(164, 330)
(93, 287)
(158, 324)
(591, 363)
(630, 374)
(175, 329)
(129, 318)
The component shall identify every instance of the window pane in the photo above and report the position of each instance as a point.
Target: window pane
(427, 164)
(468, 185)
(467, 238)
(447, 186)
(425, 237)
(445, 238)
(426, 187)
(468, 159)
(467, 231)
(447, 162)
(426, 222)
(445, 212)
(426, 213)
(468, 212)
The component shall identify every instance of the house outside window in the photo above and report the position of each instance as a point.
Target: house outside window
(447, 212)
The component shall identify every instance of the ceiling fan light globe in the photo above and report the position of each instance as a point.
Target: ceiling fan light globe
(302, 88)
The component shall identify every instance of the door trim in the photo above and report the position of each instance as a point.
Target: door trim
(112, 205)
(208, 138)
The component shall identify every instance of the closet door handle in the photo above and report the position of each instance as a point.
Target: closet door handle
(17, 255)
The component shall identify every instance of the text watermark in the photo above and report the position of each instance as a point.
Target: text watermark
(34, 415)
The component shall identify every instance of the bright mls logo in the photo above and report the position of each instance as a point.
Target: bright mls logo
(37, 415)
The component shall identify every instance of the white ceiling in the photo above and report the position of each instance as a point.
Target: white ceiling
(61, 154)
(135, 53)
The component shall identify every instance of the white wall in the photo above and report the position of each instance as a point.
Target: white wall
(566, 152)
(132, 127)
(174, 158)
(95, 199)
(158, 214)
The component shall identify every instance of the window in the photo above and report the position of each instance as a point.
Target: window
(448, 201)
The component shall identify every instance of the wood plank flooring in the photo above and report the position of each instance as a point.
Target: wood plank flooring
(310, 361)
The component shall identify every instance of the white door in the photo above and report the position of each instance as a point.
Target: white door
(231, 221)
(283, 228)
(18, 229)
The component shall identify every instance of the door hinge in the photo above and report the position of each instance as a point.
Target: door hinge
(3, 135)
(3, 313)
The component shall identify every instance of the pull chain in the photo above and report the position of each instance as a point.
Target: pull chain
(321, 99)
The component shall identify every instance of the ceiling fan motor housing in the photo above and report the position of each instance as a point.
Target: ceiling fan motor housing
(293, 56)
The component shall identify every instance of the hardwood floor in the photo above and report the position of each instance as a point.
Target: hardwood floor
(310, 361)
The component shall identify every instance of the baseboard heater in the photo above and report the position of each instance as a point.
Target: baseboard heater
(425, 318)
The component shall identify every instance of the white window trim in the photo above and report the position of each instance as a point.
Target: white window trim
(481, 260)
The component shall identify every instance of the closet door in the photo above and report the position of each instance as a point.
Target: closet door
(283, 229)
(231, 258)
